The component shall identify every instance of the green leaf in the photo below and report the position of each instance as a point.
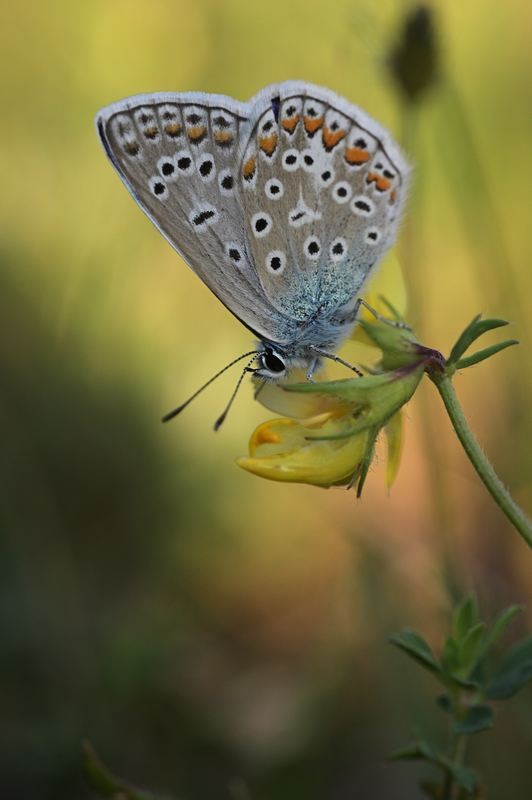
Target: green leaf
(479, 718)
(417, 648)
(450, 656)
(481, 355)
(477, 327)
(471, 646)
(513, 673)
(420, 750)
(465, 616)
(498, 627)
(466, 778)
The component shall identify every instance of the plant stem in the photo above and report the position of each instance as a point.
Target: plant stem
(481, 464)
(456, 756)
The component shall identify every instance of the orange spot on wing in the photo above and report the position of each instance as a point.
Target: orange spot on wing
(381, 183)
(151, 132)
(331, 138)
(197, 133)
(248, 169)
(268, 144)
(393, 196)
(172, 129)
(223, 137)
(356, 156)
(132, 148)
(312, 124)
(290, 124)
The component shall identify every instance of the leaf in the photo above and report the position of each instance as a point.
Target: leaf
(464, 777)
(471, 646)
(513, 673)
(479, 718)
(420, 750)
(481, 355)
(499, 626)
(477, 327)
(417, 648)
(449, 658)
(465, 616)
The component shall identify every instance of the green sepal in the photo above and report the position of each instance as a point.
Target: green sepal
(481, 355)
(366, 461)
(477, 327)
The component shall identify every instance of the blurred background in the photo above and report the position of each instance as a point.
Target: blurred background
(215, 635)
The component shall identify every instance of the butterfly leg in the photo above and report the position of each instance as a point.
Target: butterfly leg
(312, 369)
(394, 323)
(333, 357)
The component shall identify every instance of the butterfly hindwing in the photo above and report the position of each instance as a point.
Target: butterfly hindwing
(323, 199)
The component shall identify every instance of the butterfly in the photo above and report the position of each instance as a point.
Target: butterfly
(282, 206)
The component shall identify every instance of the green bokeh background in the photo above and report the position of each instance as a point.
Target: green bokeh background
(205, 629)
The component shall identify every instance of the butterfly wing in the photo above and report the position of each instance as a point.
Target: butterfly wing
(323, 186)
(179, 156)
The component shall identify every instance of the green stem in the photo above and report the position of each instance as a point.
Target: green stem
(456, 756)
(481, 464)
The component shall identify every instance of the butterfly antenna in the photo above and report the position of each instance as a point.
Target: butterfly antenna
(225, 412)
(179, 409)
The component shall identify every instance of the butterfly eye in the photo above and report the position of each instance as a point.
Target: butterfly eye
(273, 362)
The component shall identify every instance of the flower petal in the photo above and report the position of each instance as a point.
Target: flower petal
(281, 450)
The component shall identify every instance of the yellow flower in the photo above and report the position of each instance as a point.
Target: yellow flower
(330, 435)
(335, 446)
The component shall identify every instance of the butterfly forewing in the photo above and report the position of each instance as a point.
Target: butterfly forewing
(179, 156)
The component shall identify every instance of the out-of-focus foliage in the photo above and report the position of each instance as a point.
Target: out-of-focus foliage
(204, 629)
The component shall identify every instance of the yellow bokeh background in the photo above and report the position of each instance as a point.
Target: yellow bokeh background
(202, 626)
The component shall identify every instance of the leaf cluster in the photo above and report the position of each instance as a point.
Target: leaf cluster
(471, 678)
